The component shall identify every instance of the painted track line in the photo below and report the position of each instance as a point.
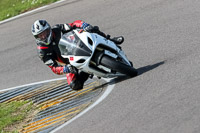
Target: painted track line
(56, 100)
(35, 83)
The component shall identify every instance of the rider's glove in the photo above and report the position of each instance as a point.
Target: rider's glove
(87, 27)
(69, 69)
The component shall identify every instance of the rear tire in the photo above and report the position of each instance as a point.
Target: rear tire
(118, 66)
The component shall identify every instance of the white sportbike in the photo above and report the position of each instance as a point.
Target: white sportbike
(95, 55)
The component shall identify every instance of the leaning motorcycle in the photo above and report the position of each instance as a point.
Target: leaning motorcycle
(95, 55)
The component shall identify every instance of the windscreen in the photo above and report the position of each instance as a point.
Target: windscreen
(71, 44)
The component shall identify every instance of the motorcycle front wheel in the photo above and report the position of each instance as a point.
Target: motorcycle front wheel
(118, 66)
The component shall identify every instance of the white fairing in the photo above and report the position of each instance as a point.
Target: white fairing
(91, 42)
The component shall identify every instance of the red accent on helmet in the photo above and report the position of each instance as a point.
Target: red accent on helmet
(40, 47)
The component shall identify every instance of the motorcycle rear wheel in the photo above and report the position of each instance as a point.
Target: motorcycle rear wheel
(118, 66)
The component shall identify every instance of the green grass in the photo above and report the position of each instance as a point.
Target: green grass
(13, 112)
(10, 8)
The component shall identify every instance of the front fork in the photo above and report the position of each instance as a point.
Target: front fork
(124, 57)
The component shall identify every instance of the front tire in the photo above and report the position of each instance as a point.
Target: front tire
(118, 66)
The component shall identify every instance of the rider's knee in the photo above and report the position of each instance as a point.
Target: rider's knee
(75, 85)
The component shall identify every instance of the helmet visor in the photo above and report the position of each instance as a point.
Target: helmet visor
(43, 36)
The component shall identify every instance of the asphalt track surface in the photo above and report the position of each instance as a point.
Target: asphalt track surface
(161, 38)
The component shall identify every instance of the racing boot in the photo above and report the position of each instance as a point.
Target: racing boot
(76, 80)
(117, 40)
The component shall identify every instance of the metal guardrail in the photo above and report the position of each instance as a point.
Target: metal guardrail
(58, 103)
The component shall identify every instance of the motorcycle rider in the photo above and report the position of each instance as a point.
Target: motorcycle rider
(47, 39)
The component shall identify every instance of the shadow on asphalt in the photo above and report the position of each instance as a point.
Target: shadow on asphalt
(149, 67)
(140, 70)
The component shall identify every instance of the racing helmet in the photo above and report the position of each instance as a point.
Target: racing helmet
(42, 31)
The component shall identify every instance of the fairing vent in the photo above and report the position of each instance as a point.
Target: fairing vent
(81, 61)
(90, 41)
